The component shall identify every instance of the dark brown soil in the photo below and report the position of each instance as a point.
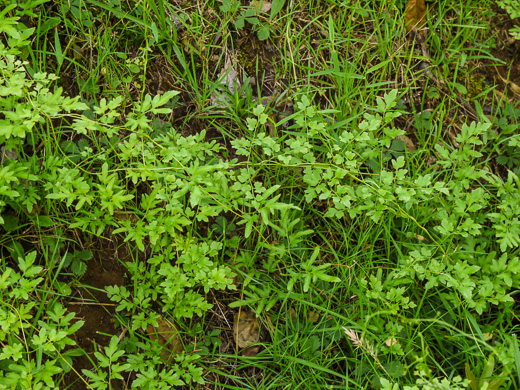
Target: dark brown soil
(506, 76)
(91, 304)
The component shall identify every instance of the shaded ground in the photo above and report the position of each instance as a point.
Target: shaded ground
(91, 304)
(508, 51)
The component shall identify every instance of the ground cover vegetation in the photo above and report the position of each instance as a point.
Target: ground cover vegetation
(259, 195)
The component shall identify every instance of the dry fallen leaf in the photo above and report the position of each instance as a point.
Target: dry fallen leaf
(391, 342)
(7, 154)
(514, 87)
(415, 14)
(408, 143)
(487, 336)
(167, 335)
(432, 160)
(251, 351)
(246, 331)
(313, 316)
(261, 6)
(229, 78)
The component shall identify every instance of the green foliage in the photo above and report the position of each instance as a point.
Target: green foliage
(425, 383)
(513, 9)
(32, 362)
(462, 263)
(252, 14)
(323, 208)
(28, 102)
(181, 175)
(17, 34)
(487, 379)
(311, 273)
(76, 261)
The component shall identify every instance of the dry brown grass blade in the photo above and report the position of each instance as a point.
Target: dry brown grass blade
(415, 15)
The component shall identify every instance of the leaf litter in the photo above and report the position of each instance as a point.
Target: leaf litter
(246, 332)
(415, 15)
(229, 79)
(167, 336)
(261, 6)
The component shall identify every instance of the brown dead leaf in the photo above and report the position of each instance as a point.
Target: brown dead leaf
(408, 143)
(312, 316)
(415, 15)
(245, 330)
(391, 342)
(514, 87)
(487, 336)
(7, 154)
(250, 352)
(261, 6)
(229, 78)
(432, 160)
(167, 335)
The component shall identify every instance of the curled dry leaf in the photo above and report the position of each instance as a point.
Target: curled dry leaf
(167, 335)
(246, 332)
(415, 15)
